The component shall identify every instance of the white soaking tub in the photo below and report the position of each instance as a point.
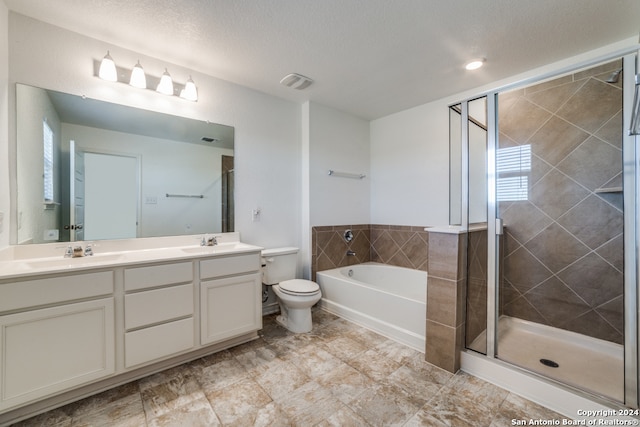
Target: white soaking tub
(387, 299)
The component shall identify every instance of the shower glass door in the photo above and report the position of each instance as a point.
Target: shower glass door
(559, 190)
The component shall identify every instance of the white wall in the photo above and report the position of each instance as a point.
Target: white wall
(340, 142)
(5, 169)
(267, 129)
(410, 167)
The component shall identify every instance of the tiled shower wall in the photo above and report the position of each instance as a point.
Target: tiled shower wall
(404, 246)
(564, 245)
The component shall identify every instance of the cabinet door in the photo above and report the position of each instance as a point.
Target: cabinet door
(46, 351)
(230, 307)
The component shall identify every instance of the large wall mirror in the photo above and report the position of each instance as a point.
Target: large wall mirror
(93, 170)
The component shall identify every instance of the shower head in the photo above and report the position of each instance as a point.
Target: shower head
(613, 78)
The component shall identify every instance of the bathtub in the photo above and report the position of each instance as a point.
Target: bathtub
(387, 299)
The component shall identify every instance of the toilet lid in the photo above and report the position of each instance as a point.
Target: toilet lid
(299, 286)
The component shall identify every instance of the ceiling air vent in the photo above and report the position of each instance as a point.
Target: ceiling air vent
(296, 81)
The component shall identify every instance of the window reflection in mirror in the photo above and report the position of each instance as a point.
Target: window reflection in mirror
(173, 156)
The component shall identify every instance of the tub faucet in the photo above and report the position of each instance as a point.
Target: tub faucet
(351, 253)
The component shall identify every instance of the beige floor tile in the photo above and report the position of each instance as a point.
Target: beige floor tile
(385, 405)
(239, 403)
(314, 361)
(310, 404)
(130, 392)
(344, 348)
(221, 375)
(125, 412)
(429, 371)
(256, 360)
(475, 390)
(346, 383)
(515, 407)
(195, 414)
(452, 410)
(395, 351)
(345, 417)
(374, 365)
(174, 392)
(413, 383)
(271, 415)
(280, 379)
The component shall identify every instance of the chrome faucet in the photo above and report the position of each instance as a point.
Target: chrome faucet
(208, 241)
(77, 252)
(351, 253)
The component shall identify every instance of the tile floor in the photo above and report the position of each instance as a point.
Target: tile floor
(338, 375)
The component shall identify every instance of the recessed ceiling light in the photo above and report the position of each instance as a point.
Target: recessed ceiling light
(475, 64)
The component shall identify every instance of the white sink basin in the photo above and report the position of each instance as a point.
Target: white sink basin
(72, 262)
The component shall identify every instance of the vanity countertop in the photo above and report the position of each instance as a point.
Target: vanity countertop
(109, 256)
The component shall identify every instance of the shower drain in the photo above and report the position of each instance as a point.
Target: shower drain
(549, 363)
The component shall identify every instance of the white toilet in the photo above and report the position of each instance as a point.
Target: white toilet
(295, 296)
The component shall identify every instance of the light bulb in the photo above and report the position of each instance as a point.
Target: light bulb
(108, 69)
(138, 79)
(165, 86)
(189, 92)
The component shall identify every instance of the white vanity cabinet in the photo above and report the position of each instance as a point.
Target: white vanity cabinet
(56, 333)
(230, 297)
(158, 311)
(68, 331)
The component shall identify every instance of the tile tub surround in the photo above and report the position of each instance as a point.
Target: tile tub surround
(402, 246)
(564, 245)
(338, 374)
(446, 297)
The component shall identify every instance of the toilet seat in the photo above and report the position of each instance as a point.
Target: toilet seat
(299, 287)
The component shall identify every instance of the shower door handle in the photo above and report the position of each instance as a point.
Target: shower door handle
(499, 227)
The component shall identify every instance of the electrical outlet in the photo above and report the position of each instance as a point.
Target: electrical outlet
(255, 214)
(52, 234)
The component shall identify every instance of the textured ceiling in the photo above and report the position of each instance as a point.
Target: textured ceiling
(370, 58)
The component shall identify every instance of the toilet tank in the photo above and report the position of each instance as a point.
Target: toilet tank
(279, 264)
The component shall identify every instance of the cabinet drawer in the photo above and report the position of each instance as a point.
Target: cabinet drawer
(32, 293)
(158, 305)
(157, 275)
(226, 266)
(157, 342)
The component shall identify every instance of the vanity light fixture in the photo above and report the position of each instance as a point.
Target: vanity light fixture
(108, 69)
(475, 64)
(165, 85)
(138, 79)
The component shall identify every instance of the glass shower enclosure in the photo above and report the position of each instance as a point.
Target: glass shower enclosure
(543, 180)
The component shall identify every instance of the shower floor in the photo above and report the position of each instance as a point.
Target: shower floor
(584, 362)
